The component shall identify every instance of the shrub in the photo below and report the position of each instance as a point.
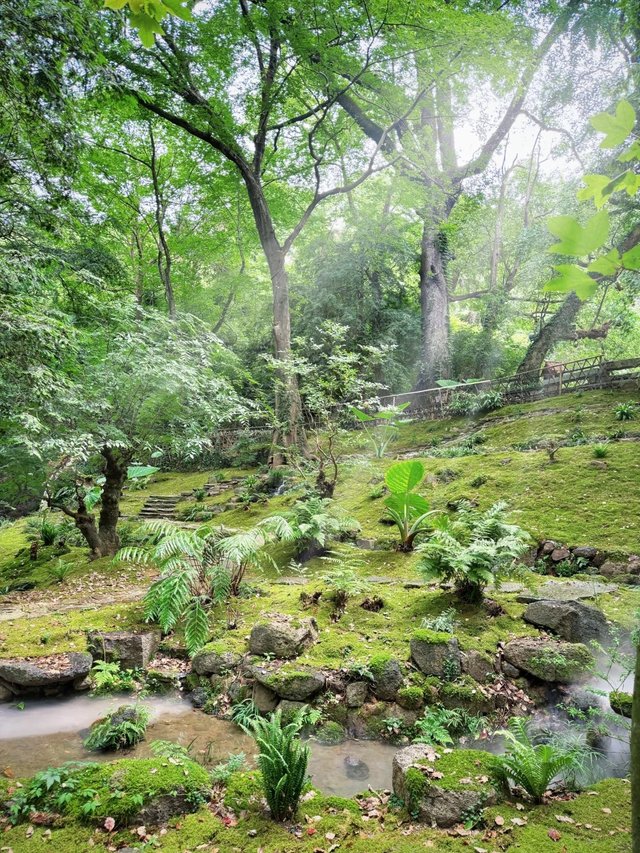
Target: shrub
(122, 728)
(408, 510)
(473, 550)
(315, 522)
(625, 411)
(444, 622)
(438, 725)
(534, 767)
(600, 451)
(282, 761)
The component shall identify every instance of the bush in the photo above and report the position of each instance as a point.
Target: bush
(123, 728)
(625, 411)
(600, 451)
(282, 761)
(534, 767)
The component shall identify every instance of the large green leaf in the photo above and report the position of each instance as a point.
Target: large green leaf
(606, 264)
(631, 259)
(359, 415)
(595, 185)
(574, 278)
(136, 471)
(616, 127)
(404, 476)
(576, 239)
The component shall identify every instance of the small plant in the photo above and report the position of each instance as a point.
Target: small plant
(343, 580)
(315, 522)
(244, 713)
(444, 622)
(121, 729)
(380, 428)
(42, 529)
(199, 495)
(282, 761)
(376, 492)
(171, 750)
(408, 510)
(478, 481)
(433, 727)
(534, 767)
(222, 772)
(473, 550)
(600, 450)
(393, 727)
(625, 411)
(107, 677)
(60, 571)
(551, 447)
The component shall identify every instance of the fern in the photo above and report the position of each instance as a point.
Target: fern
(196, 626)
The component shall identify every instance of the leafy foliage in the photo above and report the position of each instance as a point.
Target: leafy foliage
(380, 428)
(408, 510)
(343, 578)
(121, 729)
(316, 520)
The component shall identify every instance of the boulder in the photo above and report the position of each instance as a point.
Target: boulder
(199, 697)
(440, 789)
(560, 554)
(571, 620)
(296, 685)
(130, 650)
(215, 663)
(566, 591)
(478, 666)
(44, 674)
(549, 660)
(387, 677)
(264, 699)
(356, 694)
(633, 566)
(5, 694)
(548, 546)
(585, 552)
(611, 569)
(289, 709)
(283, 636)
(435, 653)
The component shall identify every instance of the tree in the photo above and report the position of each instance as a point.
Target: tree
(257, 86)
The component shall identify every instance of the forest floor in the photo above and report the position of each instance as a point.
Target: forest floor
(578, 500)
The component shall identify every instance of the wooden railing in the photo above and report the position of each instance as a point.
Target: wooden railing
(553, 380)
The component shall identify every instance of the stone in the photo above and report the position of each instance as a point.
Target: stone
(199, 697)
(549, 660)
(548, 546)
(407, 715)
(581, 699)
(264, 699)
(633, 566)
(599, 559)
(509, 670)
(298, 685)
(5, 694)
(366, 544)
(566, 591)
(215, 663)
(283, 636)
(585, 552)
(356, 694)
(610, 569)
(431, 799)
(55, 671)
(130, 650)
(387, 678)
(559, 554)
(288, 708)
(355, 768)
(435, 653)
(571, 620)
(478, 666)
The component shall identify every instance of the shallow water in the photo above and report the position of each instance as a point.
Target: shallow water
(49, 732)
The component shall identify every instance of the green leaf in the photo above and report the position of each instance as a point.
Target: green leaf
(631, 259)
(92, 497)
(573, 278)
(404, 476)
(135, 471)
(116, 5)
(606, 264)
(632, 152)
(616, 127)
(594, 188)
(176, 8)
(359, 415)
(576, 239)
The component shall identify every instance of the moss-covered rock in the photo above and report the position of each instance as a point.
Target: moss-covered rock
(297, 685)
(387, 676)
(621, 702)
(411, 698)
(331, 732)
(548, 660)
(435, 653)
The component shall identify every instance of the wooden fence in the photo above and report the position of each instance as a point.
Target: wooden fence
(554, 379)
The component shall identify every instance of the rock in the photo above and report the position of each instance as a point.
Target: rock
(5, 694)
(387, 677)
(478, 666)
(633, 566)
(357, 693)
(297, 685)
(442, 801)
(411, 698)
(609, 569)
(559, 554)
(548, 546)
(44, 674)
(78, 686)
(130, 650)
(509, 671)
(571, 620)
(264, 699)
(599, 559)
(584, 552)
(549, 660)
(289, 709)
(355, 768)
(583, 700)
(283, 636)
(621, 703)
(199, 697)
(435, 653)
(366, 544)
(215, 663)
(407, 715)
(566, 591)
(163, 807)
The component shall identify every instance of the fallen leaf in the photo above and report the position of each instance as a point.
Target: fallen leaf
(554, 835)
(498, 820)
(606, 811)
(109, 824)
(563, 818)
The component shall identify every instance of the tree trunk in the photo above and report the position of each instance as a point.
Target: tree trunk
(635, 759)
(115, 473)
(434, 306)
(558, 329)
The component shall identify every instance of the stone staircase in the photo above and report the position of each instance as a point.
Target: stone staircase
(213, 489)
(162, 506)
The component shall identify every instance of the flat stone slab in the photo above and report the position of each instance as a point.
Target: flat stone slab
(566, 591)
(291, 581)
(506, 587)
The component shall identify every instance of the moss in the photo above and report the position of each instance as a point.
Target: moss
(411, 698)
(416, 784)
(432, 638)
(244, 791)
(621, 702)
(461, 765)
(330, 732)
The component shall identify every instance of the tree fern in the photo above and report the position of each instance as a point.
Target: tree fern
(196, 626)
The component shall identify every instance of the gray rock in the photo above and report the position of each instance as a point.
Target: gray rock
(548, 546)
(264, 699)
(509, 671)
(283, 636)
(58, 670)
(163, 807)
(199, 697)
(610, 569)
(355, 768)
(356, 694)
(633, 566)
(571, 620)
(215, 663)
(583, 700)
(130, 650)
(559, 554)
(435, 658)
(436, 804)
(5, 694)
(297, 686)
(566, 591)
(387, 680)
(549, 660)
(585, 552)
(478, 666)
